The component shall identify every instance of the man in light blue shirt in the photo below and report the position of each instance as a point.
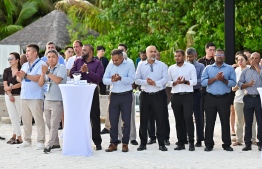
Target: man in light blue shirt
(32, 96)
(51, 46)
(152, 76)
(219, 79)
(120, 74)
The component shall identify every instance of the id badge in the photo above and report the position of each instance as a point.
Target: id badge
(27, 80)
(47, 87)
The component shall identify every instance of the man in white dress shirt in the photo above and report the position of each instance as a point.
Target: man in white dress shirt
(182, 77)
(77, 45)
(152, 76)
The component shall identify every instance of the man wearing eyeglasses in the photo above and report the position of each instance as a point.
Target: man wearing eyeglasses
(152, 76)
(219, 79)
(250, 80)
(182, 77)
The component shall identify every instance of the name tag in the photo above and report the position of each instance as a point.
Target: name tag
(47, 87)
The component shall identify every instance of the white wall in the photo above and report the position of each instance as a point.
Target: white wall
(5, 50)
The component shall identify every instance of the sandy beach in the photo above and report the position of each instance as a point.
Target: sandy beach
(13, 157)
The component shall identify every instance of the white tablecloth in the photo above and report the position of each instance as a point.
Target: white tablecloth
(77, 100)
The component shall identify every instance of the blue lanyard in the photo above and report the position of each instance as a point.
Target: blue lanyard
(52, 73)
(31, 67)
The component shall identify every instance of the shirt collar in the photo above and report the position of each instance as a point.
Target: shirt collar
(55, 65)
(93, 59)
(215, 65)
(156, 61)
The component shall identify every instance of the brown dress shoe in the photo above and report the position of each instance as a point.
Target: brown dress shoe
(112, 147)
(124, 147)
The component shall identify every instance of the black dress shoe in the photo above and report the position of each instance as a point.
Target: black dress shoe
(167, 143)
(134, 142)
(2, 138)
(191, 147)
(98, 147)
(162, 148)
(228, 148)
(151, 141)
(198, 144)
(247, 148)
(47, 149)
(104, 131)
(179, 147)
(186, 142)
(208, 148)
(55, 146)
(141, 148)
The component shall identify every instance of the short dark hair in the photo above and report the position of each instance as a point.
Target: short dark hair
(34, 46)
(181, 51)
(220, 50)
(68, 47)
(124, 45)
(191, 51)
(79, 42)
(100, 48)
(50, 43)
(90, 46)
(247, 50)
(209, 44)
(116, 52)
(53, 51)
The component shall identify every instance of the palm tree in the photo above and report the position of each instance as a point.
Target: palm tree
(14, 15)
(86, 13)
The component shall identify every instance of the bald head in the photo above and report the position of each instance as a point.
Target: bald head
(254, 59)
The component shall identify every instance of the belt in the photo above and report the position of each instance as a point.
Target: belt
(153, 93)
(253, 95)
(196, 90)
(122, 93)
(218, 95)
(182, 93)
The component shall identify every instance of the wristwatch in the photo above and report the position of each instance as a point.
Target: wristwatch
(25, 76)
(47, 72)
(87, 72)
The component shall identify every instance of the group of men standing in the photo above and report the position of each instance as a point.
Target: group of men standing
(194, 90)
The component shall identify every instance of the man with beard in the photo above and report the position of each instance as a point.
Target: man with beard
(191, 58)
(152, 76)
(182, 77)
(219, 79)
(92, 71)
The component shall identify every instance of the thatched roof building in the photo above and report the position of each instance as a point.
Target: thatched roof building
(51, 27)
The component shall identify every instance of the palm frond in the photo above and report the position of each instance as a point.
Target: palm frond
(27, 11)
(6, 30)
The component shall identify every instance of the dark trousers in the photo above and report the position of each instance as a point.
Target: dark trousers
(220, 105)
(95, 119)
(203, 99)
(151, 123)
(152, 129)
(251, 105)
(198, 115)
(102, 88)
(154, 104)
(182, 106)
(123, 104)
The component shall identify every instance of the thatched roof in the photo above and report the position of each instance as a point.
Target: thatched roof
(51, 27)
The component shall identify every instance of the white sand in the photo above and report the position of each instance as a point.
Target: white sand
(13, 157)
